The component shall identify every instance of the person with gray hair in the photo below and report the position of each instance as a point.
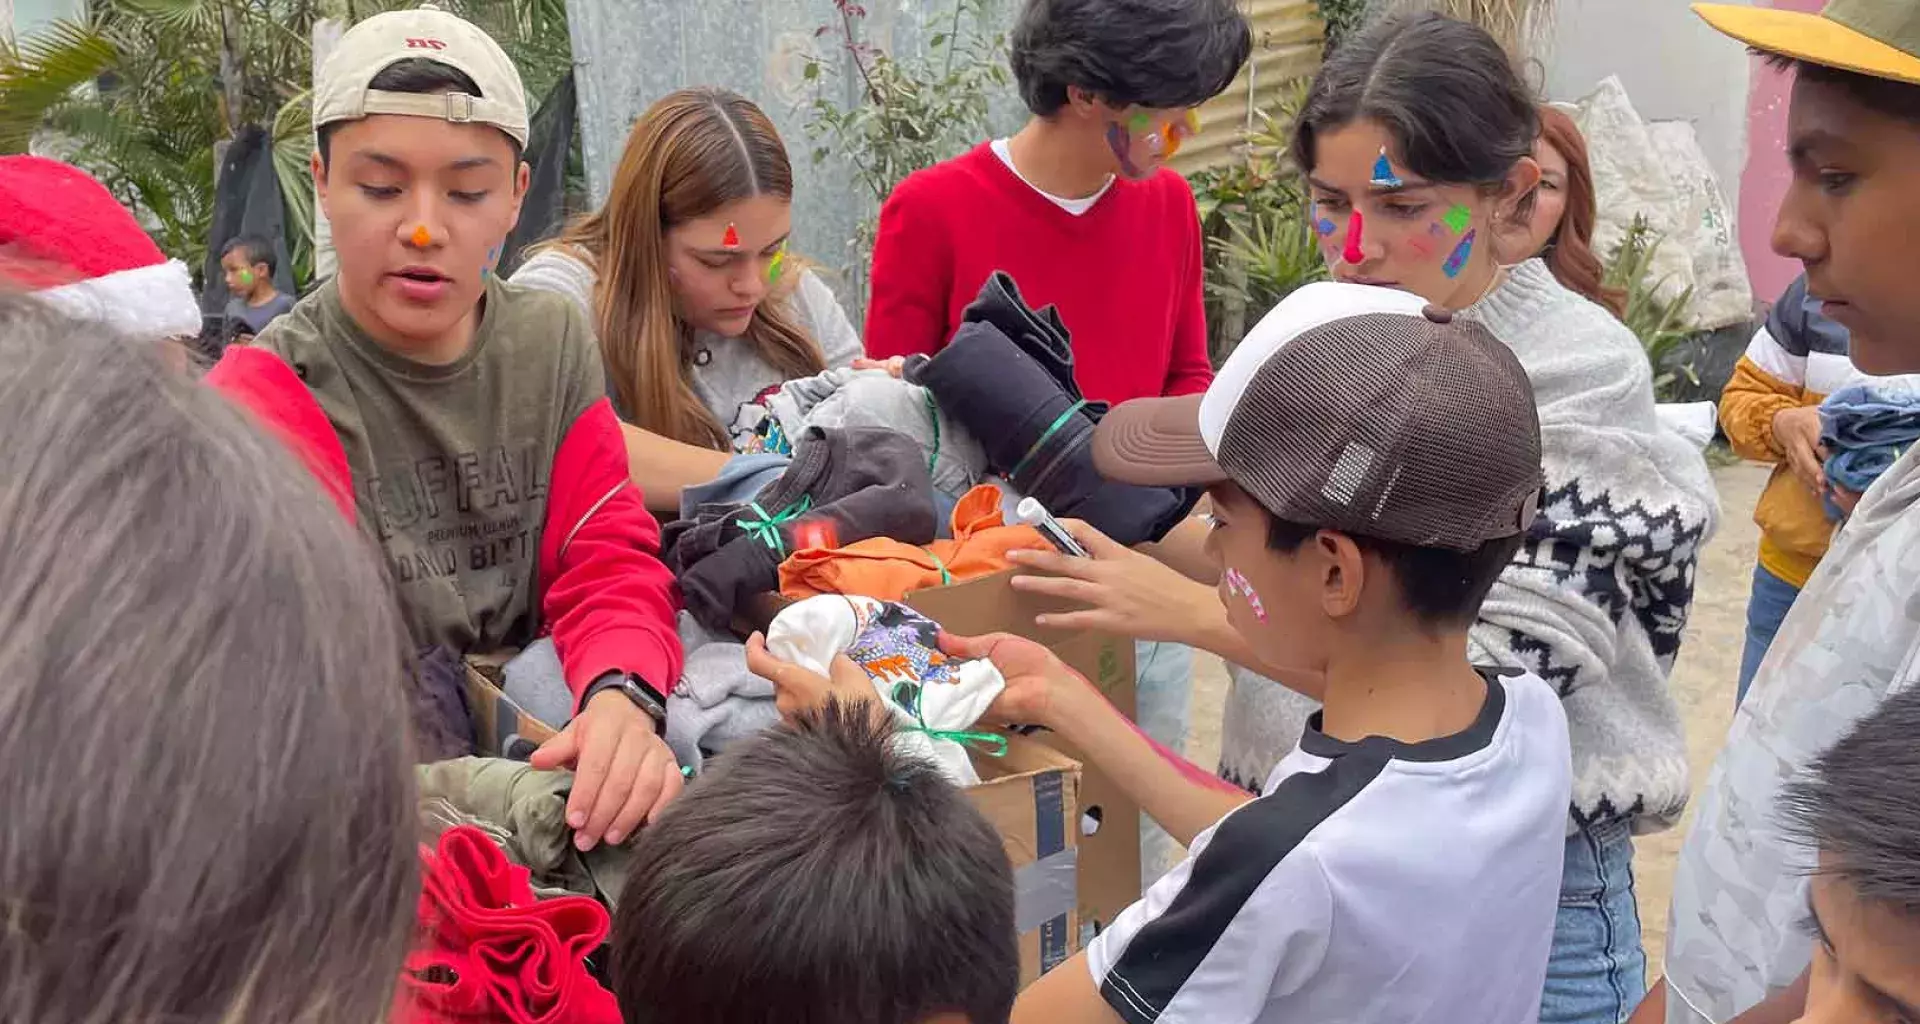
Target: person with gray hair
(209, 815)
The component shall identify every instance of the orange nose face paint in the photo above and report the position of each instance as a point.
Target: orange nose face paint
(422, 237)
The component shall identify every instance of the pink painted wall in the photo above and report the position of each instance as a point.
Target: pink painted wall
(1763, 181)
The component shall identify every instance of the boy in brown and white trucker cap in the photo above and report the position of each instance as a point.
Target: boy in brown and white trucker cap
(1373, 465)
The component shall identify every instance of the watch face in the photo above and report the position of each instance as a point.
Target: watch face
(642, 694)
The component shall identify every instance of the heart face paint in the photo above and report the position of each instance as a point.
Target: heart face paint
(1240, 587)
(1354, 254)
(1383, 176)
(1458, 260)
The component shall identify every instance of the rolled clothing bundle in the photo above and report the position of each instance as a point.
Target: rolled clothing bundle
(935, 700)
(875, 398)
(1007, 376)
(853, 484)
(1866, 428)
(718, 702)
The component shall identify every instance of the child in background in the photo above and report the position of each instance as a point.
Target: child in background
(813, 875)
(201, 826)
(1335, 441)
(464, 421)
(1770, 412)
(253, 302)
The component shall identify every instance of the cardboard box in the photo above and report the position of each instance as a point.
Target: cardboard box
(1109, 879)
(502, 728)
(1031, 796)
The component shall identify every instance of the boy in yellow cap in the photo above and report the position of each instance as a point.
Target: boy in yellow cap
(1738, 946)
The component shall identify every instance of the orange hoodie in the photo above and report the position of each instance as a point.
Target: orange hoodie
(889, 570)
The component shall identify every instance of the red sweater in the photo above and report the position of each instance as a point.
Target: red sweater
(1126, 275)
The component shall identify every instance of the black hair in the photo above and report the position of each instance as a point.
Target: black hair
(1887, 96)
(1163, 54)
(1856, 806)
(815, 874)
(1440, 588)
(416, 75)
(254, 248)
(1443, 89)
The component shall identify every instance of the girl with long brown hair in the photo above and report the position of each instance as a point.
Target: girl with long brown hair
(685, 275)
(1560, 229)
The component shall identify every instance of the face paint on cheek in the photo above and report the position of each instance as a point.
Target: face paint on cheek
(774, 268)
(1321, 225)
(1239, 586)
(1121, 143)
(246, 279)
(1354, 254)
(493, 260)
(1457, 261)
(1458, 218)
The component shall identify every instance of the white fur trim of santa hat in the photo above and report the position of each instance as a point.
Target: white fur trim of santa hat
(150, 302)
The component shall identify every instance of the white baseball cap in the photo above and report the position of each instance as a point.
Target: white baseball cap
(344, 91)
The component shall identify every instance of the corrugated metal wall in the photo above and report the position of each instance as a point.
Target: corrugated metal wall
(1286, 46)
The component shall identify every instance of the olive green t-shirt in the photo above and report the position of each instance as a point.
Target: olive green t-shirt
(452, 464)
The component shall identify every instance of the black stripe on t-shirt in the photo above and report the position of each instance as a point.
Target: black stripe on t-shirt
(1245, 849)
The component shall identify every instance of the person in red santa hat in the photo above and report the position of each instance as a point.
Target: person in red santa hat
(68, 241)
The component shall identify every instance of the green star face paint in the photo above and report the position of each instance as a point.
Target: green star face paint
(1458, 218)
(779, 263)
(246, 279)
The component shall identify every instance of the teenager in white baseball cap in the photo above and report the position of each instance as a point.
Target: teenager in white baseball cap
(466, 421)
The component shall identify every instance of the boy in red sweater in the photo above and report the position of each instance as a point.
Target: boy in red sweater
(464, 422)
(1078, 206)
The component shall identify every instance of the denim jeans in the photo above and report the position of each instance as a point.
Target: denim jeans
(1597, 972)
(1163, 695)
(1767, 607)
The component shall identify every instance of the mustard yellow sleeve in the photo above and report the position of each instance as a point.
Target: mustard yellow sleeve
(1748, 405)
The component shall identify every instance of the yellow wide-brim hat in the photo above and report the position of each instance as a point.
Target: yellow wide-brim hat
(1879, 38)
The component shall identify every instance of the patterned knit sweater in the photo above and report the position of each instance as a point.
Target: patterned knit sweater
(1597, 599)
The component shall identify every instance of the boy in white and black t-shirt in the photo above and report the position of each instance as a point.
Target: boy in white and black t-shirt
(1373, 466)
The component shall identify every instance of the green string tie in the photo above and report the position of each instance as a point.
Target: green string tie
(1052, 429)
(946, 578)
(766, 529)
(990, 744)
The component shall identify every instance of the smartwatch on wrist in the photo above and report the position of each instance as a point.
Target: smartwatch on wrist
(635, 689)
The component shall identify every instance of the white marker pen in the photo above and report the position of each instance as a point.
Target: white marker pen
(1034, 514)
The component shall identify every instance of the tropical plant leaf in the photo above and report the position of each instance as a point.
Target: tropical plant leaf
(42, 70)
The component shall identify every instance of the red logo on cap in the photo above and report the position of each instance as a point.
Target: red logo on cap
(425, 44)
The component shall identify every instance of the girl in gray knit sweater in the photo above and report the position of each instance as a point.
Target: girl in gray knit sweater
(1416, 137)
(685, 275)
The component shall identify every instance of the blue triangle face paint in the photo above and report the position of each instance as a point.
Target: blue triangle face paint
(1383, 176)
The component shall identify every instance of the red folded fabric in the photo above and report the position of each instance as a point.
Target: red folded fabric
(488, 950)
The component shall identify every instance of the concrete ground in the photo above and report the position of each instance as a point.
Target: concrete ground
(1703, 683)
